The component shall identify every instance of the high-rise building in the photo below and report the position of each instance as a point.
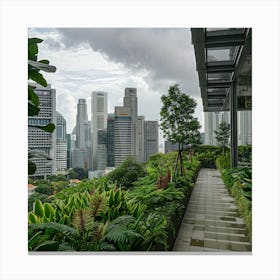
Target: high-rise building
(61, 144)
(82, 130)
(110, 140)
(140, 128)
(151, 138)
(244, 125)
(81, 121)
(99, 113)
(39, 139)
(69, 149)
(123, 134)
(102, 149)
(130, 100)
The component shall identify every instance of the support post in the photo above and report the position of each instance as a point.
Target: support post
(233, 125)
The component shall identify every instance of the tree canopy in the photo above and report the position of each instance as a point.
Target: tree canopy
(177, 121)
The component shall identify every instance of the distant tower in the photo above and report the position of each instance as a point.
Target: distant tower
(99, 113)
(101, 149)
(61, 144)
(123, 134)
(130, 100)
(110, 140)
(151, 138)
(81, 120)
(80, 155)
(39, 139)
(140, 152)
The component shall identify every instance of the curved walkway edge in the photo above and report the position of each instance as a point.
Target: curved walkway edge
(211, 221)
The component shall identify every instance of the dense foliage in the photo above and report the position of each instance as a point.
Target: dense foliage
(239, 182)
(99, 216)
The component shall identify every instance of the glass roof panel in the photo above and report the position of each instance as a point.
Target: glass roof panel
(223, 77)
(220, 54)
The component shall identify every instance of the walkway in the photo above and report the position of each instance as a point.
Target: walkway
(211, 221)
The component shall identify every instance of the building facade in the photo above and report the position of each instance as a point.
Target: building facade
(151, 138)
(130, 100)
(40, 140)
(99, 114)
(110, 140)
(82, 132)
(61, 144)
(123, 134)
(102, 149)
(140, 136)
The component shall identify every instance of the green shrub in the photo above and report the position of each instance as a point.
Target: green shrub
(127, 173)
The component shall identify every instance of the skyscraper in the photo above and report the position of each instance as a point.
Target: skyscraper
(140, 152)
(99, 113)
(69, 150)
(130, 100)
(110, 140)
(39, 139)
(61, 144)
(81, 120)
(80, 156)
(101, 149)
(123, 134)
(151, 138)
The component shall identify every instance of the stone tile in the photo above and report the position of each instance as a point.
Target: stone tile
(198, 234)
(211, 244)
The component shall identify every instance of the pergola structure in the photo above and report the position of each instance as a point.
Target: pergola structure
(224, 66)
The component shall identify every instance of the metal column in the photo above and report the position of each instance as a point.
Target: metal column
(233, 125)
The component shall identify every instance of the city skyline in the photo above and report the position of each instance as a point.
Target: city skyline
(106, 59)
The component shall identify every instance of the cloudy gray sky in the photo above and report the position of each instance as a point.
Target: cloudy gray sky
(111, 59)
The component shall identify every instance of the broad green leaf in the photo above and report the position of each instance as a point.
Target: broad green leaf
(32, 110)
(32, 96)
(38, 208)
(48, 210)
(45, 61)
(31, 167)
(37, 77)
(32, 41)
(48, 128)
(32, 218)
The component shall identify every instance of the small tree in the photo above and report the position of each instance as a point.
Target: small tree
(222, 134)
(177, 121)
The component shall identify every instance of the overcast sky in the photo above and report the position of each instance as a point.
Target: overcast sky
(111, 59)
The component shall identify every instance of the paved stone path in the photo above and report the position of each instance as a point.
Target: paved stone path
(211, 221)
